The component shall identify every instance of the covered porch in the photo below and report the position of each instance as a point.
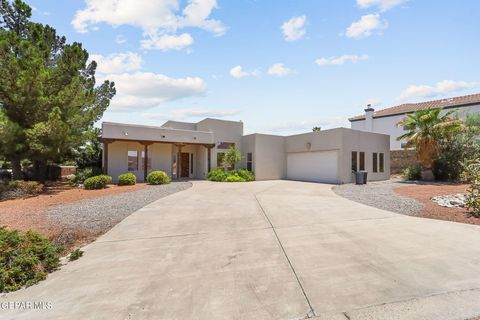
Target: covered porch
(182, 154)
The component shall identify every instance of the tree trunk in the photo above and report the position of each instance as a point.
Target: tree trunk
(40, 170)
(16, 170)
(427, 175)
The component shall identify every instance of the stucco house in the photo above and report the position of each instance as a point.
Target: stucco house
(385, 120)
(191, 150)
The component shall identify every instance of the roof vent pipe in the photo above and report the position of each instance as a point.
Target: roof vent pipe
(369, 118)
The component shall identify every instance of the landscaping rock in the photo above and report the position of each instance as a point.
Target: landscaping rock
(450, 200)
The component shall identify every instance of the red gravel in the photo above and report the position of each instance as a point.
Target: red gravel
(30, 213)
(424, 193)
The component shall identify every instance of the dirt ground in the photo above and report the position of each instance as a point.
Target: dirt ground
(31, 213)
(424, 192)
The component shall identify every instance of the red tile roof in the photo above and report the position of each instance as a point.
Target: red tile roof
(411, 107)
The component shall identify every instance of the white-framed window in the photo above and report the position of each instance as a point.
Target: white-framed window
(375, 162)
(249, 161)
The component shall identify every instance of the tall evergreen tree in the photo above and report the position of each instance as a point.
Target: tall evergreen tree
(48, 96)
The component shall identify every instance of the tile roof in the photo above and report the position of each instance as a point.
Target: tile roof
(411, 107)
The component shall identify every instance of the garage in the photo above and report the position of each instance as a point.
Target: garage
(321, 166)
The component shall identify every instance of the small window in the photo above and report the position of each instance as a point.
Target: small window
(354, 161)
(220, 159)
(382, 162)
(249, 161)
(149, 161)
(362, 161)
(375, 162)
(133, 160)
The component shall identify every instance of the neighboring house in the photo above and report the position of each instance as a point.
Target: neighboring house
(385, 121)
(191, 150)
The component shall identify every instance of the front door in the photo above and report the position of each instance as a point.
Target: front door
(185, 165)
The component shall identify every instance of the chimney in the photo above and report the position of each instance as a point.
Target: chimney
(369, 118)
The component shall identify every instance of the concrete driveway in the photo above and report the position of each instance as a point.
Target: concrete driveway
(266, 250)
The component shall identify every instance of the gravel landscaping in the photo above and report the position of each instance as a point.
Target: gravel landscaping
(100, 214)
(381, 195)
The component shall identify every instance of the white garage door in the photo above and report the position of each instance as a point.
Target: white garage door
(313, 166)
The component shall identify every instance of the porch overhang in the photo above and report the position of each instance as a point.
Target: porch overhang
(149, 134)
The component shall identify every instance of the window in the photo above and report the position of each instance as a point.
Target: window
(133, 160)
(249, 161)
(362, 161)
(382, 162)
(149, 161)
(220, 158)
(375, 162)
(354, 161)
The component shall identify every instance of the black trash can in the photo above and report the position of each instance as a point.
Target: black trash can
(365, 174)
(359, 177)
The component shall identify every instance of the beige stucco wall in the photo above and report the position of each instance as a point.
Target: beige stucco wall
(224, 131)
(148, 133)
(270, 157)
(368, 142)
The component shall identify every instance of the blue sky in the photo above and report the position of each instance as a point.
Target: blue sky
(280, 66)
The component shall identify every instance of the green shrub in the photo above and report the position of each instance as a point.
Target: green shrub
(471, 174)
(25, 258)
(75, 255)
(244, 173)
(412, 172)
(158, 177)
(82, 174)
(234, 178)
(127, 179)
(218, 175)
(237, 175)
(97, 182)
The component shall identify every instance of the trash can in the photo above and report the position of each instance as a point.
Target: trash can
(359, 177)
(365, 174)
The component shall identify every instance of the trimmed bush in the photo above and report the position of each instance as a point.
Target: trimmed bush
(237, 175)
(234, 178)
(97, 182)
(127, 179)
(412, 172)
(244, 173)
(218, 175)
(471, 174)
(158, 177)
(82, 174)
(25, 258)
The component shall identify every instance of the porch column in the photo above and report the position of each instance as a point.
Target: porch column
(209, 159)
(105, 155)
(145, 161)
(179, 161)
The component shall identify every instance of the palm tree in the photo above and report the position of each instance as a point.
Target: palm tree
(424, 130)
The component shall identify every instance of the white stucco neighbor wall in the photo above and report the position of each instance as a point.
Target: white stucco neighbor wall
(388, 125)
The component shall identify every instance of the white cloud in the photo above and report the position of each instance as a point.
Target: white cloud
(155, 17)
(341, 60)
(120, 39)
(117, 62)
(383, 5)
(144, 90)
(441, 88)
(294, 29)
(365, 26)
(279, 70)
(238, 72)
(168, 42)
